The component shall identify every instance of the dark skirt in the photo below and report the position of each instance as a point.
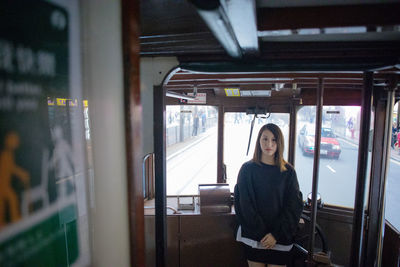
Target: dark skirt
(268, 256)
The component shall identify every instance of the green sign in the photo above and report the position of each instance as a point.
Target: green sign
(38, 224)
(47, 243)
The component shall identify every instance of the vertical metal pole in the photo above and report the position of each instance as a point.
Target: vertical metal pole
(358, 219)
(292, 134)
(220, 156)
(160, 168)
(181, 124)
(388, 133)
(317, 142)
(398, 115)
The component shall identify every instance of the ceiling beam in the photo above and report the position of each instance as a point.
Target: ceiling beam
(268, 75)
(328, 16)
(238, 36)
(204, 82)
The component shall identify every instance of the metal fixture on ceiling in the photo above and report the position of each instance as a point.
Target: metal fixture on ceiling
(195, 90)
(180, 96)
(183, 96)
(225, 19)
(278, 86)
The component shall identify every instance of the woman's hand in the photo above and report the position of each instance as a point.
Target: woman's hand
(268, 241)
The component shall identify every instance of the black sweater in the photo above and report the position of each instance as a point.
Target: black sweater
(268, 201)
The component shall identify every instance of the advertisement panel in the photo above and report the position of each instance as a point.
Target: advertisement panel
(39, 213)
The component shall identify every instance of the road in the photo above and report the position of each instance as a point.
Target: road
(392, 194)
(337, 178)
(195, 165)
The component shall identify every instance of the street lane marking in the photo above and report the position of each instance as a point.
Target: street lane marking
(392, 160)
(395, 161)
(330, 168)
(350, 143)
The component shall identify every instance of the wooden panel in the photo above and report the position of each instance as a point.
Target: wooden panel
(338, 234)
(391, 246)
(281, 104)
(208, 240)
(171, 27)
(327, 16)
(172, 241)
(133, 128)
(169, 16)
(337, 97)
(336, 223)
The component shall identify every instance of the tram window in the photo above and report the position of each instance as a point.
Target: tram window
(191, 141)
(338, 152)
(236, 137)
(392, 203)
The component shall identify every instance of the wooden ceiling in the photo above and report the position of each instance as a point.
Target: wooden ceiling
(175, 28)
(340, 87)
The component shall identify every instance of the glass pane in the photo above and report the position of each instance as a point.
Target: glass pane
(338, 153)
(304, 156)
(393, 181)
(236, 139)
(191, 136)
(370, 143)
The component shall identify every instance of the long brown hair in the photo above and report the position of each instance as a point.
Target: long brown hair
(276, 131)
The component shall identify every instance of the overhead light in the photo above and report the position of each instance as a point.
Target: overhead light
(345, 30)
(321, 31)
(274, 33)
(219, 24)
(225, 18)
(261, 93)
(180, 96)
(258, 93)
(245, 30)
(245, 93)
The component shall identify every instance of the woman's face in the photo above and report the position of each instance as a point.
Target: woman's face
(268, 143)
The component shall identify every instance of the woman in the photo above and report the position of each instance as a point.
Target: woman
(268, 202)
(398, 141)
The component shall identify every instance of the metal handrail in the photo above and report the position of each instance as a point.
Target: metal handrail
(167, 207)
(144, 171)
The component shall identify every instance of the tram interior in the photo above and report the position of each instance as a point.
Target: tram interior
(135, 117)
(270, 56)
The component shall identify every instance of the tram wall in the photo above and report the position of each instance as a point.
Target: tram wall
(152, 72)
(196, 241)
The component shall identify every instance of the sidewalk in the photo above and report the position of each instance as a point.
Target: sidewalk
(175, 149)
(395, 155)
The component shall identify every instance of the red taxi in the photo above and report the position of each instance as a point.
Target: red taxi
(330, 146)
